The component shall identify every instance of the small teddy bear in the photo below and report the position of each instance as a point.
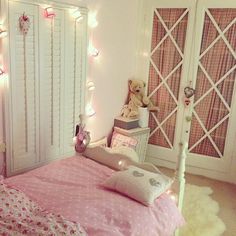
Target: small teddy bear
(137, 98)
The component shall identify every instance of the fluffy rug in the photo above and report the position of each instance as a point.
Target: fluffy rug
(200, 212)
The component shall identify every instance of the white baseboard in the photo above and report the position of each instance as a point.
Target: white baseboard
(226, 177)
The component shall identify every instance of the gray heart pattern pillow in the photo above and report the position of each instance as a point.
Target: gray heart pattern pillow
(137, 174)
(141, 185)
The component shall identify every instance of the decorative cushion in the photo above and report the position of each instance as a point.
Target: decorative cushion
(126, 151)
(139, 184)
(115, 158)
(122, 140)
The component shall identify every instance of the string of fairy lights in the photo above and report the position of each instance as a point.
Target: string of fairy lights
(50, 13)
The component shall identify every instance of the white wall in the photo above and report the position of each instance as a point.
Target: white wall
(115, 37)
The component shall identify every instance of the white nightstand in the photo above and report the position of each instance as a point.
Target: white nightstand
(142, 135)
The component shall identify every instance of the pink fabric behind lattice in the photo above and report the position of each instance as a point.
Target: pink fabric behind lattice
(165, 73)
(216, 61)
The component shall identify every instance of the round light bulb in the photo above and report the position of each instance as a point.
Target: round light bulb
(3, 33)
(75, 140)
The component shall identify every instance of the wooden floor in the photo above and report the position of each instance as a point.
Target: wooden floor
(223, 193)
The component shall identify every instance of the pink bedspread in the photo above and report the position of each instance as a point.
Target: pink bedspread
(73, 188)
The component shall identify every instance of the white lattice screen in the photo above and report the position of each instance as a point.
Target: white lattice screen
(214, 84)
(166, 60)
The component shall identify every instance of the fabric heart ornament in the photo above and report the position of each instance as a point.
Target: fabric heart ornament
(24, 23)
(154, 182)
(187, 102)
(137, 174)
(189, 92)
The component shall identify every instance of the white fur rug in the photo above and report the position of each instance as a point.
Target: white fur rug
(200, 212)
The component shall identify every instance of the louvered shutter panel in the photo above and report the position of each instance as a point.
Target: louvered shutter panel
(47, 85)
(52, 84)
(24, 85)
(76, 39)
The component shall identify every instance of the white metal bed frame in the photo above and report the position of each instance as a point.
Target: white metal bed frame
(180, 176)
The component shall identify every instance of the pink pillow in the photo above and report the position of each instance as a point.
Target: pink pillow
(122, 140)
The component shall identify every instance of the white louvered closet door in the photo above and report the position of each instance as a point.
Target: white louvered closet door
(46, 86)
(52, 76)
(24, 86)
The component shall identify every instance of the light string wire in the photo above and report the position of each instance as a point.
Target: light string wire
(75, 62)
(25, 92)
(52, 75)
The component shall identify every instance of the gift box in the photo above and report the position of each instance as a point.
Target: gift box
(126, 123)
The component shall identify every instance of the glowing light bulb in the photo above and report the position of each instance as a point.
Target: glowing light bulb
(173, 195)
(3, 33)
(92, 21)
(49, 12)
(89, 110)
(75, 140)
(120, 163)
(168, 191)
(92, 51)
(90, 86)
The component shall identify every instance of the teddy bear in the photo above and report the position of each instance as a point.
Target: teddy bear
(137, 98)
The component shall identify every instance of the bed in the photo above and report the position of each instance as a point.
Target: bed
(73, 189)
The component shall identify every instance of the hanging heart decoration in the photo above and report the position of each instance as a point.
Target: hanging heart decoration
(187, 101)
(24, 23)
(189, 92)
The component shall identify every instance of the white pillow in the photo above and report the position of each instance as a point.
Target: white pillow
(139, 184)
(101, 142)
(115, 158)
(130, 153)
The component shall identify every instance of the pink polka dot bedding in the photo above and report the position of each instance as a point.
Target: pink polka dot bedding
(72, 189)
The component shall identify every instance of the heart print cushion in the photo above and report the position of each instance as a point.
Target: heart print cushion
(141, 185)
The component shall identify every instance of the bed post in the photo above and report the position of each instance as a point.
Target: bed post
(180, 176)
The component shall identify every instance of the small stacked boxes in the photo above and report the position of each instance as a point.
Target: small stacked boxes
(126, 123)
